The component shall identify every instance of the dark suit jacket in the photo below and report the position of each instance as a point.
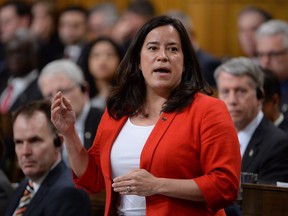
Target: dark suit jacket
(6, 191)
(31, 93)
(57, 196)
(91, 125)
(267, 153)
(284, 124)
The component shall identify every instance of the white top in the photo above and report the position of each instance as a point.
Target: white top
(245, 135)
(125, 156)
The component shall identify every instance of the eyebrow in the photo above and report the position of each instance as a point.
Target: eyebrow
(157, 43)
(30, 139)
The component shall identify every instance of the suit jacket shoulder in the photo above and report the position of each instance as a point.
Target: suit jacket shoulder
(31, 93)
(6, 192)
(56, 196)
(267, 153)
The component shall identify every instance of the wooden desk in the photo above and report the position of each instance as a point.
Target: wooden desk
(264, 200)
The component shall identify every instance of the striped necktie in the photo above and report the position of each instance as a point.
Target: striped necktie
(25, 199)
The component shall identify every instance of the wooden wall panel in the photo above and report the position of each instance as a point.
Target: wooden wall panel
(214, 20)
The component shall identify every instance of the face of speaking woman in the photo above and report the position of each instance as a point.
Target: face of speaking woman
(161, 60)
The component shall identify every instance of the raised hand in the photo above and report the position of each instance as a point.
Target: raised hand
(62, 114)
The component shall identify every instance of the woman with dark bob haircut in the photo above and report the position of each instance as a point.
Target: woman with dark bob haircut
(163, 147)
(99, 61)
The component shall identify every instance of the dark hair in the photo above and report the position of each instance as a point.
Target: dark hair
(271, 85)
(75, 8)
(22, 8)
(29, 109)
(266, 16)
(83, 61)
(143, 8)
(128, 95)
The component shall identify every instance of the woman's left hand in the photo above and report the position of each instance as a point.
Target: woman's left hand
(138, 182)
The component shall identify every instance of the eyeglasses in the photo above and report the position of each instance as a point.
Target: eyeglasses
(63, 91)
(272, 54)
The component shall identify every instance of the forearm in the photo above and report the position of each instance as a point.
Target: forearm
(179, 188)
(77, 155)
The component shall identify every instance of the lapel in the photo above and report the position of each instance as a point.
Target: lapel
(16, 198)
(90, 127)
(253, 147)
(45, 187)
(153, 140)
(32, 92)
(112, 130)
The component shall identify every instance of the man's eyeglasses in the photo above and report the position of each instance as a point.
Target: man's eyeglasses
(272, 54)
(63, 91)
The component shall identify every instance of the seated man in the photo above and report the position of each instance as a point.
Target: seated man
(263, 146)
(65, 76)
(48, 188)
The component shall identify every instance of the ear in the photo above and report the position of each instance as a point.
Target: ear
(140, 67)
(84, 87)
(276, 100)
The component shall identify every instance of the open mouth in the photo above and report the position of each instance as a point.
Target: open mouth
(162, 70)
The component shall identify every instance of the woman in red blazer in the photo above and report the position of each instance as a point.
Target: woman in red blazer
(162, 146)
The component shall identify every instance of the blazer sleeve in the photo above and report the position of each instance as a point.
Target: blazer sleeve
(220, 156)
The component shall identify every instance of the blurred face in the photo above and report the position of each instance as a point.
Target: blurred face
(247, 26)
(50, 85)
(103, 61)
(162, 60)
(273, 55)
(239, 95)
(9, 21)
(42, 23)
(97, 25)
(20, 58)
(72, 27)
(34, 145)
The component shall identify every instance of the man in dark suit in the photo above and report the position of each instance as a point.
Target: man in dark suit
(67, 77)
(272, 54)
(263, 146)
(21, 85)
(50, 190)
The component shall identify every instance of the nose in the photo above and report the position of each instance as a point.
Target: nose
(264, 61)
(162, 56)
(231, 99)
(26, 148)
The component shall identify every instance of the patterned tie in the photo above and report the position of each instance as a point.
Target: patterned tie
(25, 199)
(7, 99)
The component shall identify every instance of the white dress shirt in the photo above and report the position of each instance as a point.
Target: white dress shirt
(245, 135)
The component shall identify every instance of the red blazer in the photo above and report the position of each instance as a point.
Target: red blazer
(198, 143)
